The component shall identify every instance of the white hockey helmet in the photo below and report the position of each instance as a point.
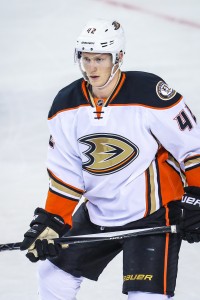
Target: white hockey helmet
(101, 36)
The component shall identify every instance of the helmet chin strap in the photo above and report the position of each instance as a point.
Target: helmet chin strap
(112, 75)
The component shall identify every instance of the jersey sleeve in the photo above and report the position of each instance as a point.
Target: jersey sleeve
(66, 185)
(176, 128)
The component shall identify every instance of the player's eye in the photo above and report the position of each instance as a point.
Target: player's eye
(86, 59)
(99, 59)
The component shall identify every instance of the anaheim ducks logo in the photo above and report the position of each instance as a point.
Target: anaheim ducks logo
(107, 153)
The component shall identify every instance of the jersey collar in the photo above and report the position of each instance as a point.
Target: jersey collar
(86, 88)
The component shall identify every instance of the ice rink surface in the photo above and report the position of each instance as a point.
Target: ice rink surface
(36, 60)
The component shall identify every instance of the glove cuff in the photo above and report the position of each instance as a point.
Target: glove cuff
(42, 217)
(190, 201)
(194, 190)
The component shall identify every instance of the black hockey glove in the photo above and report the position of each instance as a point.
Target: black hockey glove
(39, 238)
(190, 223)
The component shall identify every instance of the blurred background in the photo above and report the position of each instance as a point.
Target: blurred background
(37, 41)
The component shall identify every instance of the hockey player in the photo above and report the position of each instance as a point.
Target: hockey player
(130, 145)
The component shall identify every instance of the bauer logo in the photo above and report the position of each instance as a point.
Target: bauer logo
(107, 153)
(140, 277)
(191, 201)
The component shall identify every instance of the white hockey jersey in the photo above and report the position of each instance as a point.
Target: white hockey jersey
(128, 154)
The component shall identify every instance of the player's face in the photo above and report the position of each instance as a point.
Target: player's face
(98, 67)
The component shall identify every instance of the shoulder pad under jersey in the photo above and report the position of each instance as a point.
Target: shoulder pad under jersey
(69, 97)
(142, 88)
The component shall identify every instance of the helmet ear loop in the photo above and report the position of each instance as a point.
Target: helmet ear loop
(119, 57)
(118, 60)
(114, 71)
(77, 55)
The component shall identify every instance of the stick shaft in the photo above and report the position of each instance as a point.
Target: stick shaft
(100, 237)
(10, 246)
(118, 235)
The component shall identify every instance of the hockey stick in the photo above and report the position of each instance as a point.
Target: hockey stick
(99, 237)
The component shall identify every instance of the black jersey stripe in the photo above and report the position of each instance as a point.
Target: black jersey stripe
(73, 189)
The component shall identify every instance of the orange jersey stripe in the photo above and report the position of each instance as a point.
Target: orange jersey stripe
(72, 108)
(166, 253)
(123, 77)
(61, 206)
(170, 182)
(143, 105)
(84, 90)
